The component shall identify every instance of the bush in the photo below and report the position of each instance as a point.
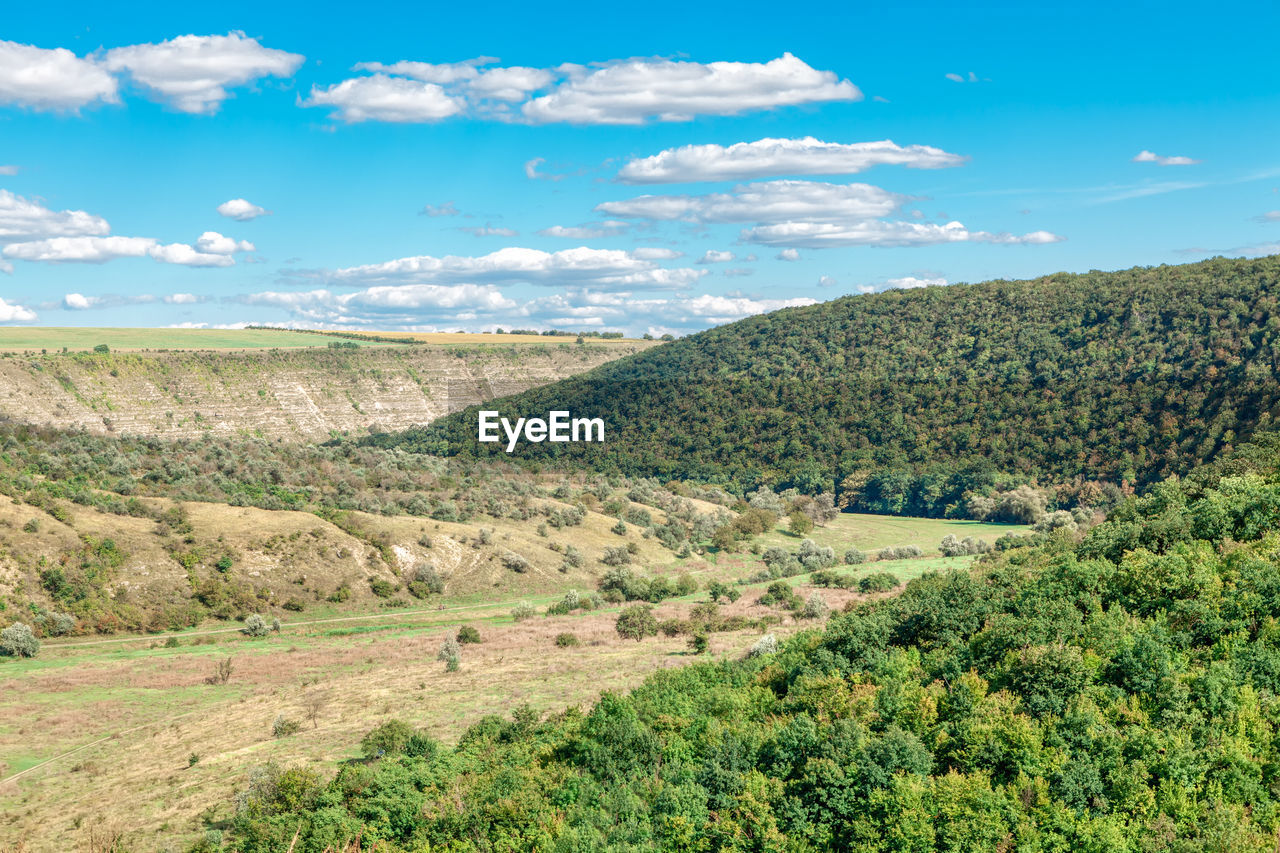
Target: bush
(468, 634)
(285, 726)
(900, 552)
(255, 626)
(699, 644)
(451, 653)
(854, 557)
(815, 607)
(390, 738)
(953, 547)
(616, 556)
(766, 645)
(56, 624)
(522, 611)
(636, 622)
(879, 582)
(19, 641)
(515, 562)
(381, 588)
(565, 640)
(799, 523)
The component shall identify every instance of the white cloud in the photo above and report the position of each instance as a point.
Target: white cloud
(655, 253)
(766, 157)
(241, 210)
(78, 302)
(788, 255)
(637, 90)
(8, 170)
(767, 201)
(909, 282)
(88, 250)
(826, 281)
(427, 72)
(714, 256)
(726, 309)
(612, 268)
(191, 73)
(589, 231)
(1269, 216)
(961, 78)
(182, 299)
(188, 256)
(216, 244)
(818, 235)
(1150, 157)
(397, 304)
(54, 79)
(24, 219)
(383, 98)
(510, 84)
(11, 313)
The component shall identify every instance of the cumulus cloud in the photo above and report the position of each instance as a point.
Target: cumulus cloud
(819, 235)
(1145, 156)
(633, 91)
(766, 157)
(191, 73)
(78, 302)
(655, 253)
(57, 79)
(767, 201)
(216, 244)
(610, 268)
(182, 299)
(85, 250)
(383, 98)
(99, 250)
(639, 90)
(909, 282)
(589, 231)
(26, 219)
(241, 210)
(11, 313)
(392, 304)
(788, 255)
(714, 256)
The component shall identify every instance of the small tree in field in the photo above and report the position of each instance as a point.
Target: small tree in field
(636, 622)
(255, 626)
(799, 523)
(451, 653)
(19, 641)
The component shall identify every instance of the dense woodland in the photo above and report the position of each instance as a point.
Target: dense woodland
(1114, 690)
(904, 401)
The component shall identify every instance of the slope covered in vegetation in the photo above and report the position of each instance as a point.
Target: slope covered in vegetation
(1114, 690)
(903, 401)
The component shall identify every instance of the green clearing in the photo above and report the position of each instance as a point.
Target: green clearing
(872, 532)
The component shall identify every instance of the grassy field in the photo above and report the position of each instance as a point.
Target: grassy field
(872, 532)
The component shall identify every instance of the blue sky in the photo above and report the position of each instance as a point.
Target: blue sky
(656, 168)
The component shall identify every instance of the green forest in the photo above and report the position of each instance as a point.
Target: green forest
(902, 402)
(1111, 691)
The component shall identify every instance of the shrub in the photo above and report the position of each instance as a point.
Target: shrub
(900, 552)
(381, 588)
(515, 562)
(878, 582)
(616, 556)
(451, 653)
(686, 585)
(522, 611)
(766, 645)
(340, 594)
(799, 523)
(221, 672)
(571, 601)
(636, 622)
(285, 726)
(854, 557)
(56, 624)
(390, 738)
(780, 594)
(699, 644)
(953, 547)
(297, 605)
(672, 627)
(565, 640)
(815, 607)
(255, 626)
(19, 641)
(468, 634)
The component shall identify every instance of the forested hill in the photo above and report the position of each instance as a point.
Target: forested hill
(923, 394)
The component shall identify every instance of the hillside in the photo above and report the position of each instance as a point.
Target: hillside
(903, 401)
(1113, 691)
(296, 394)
